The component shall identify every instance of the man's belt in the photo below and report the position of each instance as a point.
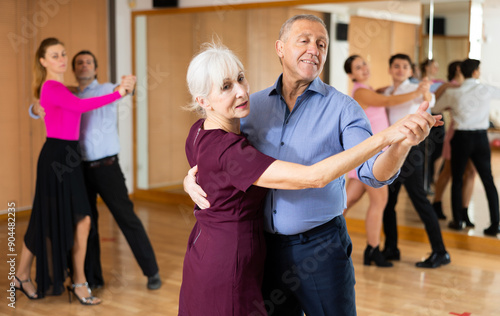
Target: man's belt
(108, 161)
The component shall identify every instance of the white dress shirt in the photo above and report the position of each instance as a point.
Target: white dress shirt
(409, 107)
(469, 104)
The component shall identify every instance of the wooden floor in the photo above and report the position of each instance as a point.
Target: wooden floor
(470, 285)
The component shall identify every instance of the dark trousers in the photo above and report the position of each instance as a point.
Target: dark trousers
(310, 272)
(108, 181)
(433, 149)
(472, 145)
(411, 177)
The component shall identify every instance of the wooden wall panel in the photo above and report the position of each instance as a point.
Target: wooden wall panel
(24, 23)
(214, 26)
(404, 37)
(371, 39)
(376, 40)
(170, 48)
(10, 169)
(446, 50)
(81, 25)
(263, 66)
(21, 137)
(89, 20)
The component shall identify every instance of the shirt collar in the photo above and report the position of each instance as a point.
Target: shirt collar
(407, 81)
(404, 83)
(92, 85)
(470, 81)
(316, 86)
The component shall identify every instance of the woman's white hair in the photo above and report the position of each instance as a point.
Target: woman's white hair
(208, 69)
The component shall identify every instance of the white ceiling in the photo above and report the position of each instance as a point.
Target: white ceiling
(404, 7)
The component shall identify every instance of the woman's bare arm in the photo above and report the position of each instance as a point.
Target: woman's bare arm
(366, 97)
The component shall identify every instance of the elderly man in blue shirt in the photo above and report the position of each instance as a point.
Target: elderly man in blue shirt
(303, 120)
(100, 145)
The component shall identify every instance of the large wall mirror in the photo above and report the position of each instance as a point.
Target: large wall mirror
(165, 40)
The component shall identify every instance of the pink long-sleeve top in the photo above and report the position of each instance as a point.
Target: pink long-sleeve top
(63, 110)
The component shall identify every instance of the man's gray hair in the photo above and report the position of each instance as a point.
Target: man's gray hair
(285, 28)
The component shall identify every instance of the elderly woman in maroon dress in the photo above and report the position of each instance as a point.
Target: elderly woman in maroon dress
(224, 261)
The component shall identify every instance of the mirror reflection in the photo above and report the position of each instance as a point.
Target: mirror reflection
(451, 35)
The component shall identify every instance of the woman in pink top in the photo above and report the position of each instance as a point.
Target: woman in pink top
(374, 105)
(429, 68)
(60, 219)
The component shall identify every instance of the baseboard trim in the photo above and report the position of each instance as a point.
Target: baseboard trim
(458, 240)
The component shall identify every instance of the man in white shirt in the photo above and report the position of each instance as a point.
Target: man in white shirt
(412, 173)
(470, 109)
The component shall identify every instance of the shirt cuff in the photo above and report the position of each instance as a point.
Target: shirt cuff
(36, 117)
(365, 174)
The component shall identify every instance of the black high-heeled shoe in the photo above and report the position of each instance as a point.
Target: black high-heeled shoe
(33, 296)
(89, 300)
(465, 215)
(374, 254)
(438, 209)
(390, 253)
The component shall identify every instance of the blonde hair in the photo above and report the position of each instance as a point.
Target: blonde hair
(214, 63)
(39, 71)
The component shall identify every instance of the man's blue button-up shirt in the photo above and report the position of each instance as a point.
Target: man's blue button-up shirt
(322, 123)
(99, 131)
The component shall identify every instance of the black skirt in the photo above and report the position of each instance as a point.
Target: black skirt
(60, 202)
